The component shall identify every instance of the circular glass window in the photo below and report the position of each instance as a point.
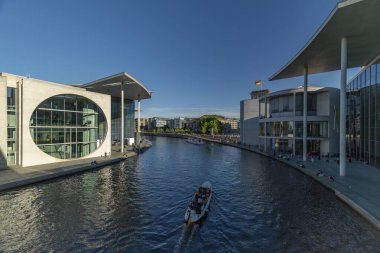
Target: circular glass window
(68, 126)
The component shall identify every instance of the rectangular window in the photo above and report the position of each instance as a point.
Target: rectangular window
(299, 129)
(262, 129)
(299, 104)
(11, 126)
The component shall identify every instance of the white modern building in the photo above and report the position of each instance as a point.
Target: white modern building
(281, 121)
(47, 122)
(249, 119)
(348, 38)
(178, 123)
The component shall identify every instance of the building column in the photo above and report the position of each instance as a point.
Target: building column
(138, 139)
(304, 146)
(266, 107)
(265, 137)
(294, 124)
(122, 118)
(342, 122)
(138, 116)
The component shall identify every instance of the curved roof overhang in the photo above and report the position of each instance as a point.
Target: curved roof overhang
(111, 85)
(358, 21)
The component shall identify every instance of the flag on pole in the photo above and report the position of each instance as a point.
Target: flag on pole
(258, 82)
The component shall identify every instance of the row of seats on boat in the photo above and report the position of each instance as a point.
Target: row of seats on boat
(200, 200)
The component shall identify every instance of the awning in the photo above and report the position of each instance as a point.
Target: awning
(359, 21)
(111, 85)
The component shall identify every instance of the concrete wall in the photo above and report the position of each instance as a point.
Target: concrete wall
(325, 147)
(3, 122)
(31, 93)
(323, 104)
(249, 121)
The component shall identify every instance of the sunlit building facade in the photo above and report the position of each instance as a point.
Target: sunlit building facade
(48, 122)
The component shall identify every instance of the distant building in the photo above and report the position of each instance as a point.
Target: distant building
(192, 124)
(249, 118)
(178, 123)
(143, 124)
(170, 123)
(230, 126)
(281, 121)
(158, 122)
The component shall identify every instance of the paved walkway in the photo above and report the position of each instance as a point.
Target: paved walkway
(18, 176)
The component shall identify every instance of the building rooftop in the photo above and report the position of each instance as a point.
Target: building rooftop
(299, 89)
(359, 21)
(111, 85)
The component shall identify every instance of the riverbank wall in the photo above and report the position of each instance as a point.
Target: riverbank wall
(345, 189)
(15, 177)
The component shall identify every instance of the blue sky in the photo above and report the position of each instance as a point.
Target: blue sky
(196, 56)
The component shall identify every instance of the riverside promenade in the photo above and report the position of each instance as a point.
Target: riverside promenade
(359, 189)
(15, 176)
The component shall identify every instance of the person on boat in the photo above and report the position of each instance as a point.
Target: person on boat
(198, 209)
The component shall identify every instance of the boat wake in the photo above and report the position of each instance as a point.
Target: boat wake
(184, 241)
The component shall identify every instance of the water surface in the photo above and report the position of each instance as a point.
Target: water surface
(138, 205)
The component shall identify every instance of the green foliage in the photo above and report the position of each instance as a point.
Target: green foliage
(209, 122)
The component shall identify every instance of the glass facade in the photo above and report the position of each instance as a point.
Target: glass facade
(311, 104)
(129, 119)
(11, 126)
(363, 115)
(68, 126)
(315, 129)
(281, 104)
(284, 106)
(313, 147)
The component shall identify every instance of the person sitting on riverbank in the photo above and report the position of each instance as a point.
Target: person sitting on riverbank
(320, 173)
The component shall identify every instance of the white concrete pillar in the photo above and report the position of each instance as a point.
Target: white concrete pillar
(138, 116)
(294, 124)
(266, 107)
(342, 122)
(122, 119)
(294, 104)
(304, 146)
(265, 137)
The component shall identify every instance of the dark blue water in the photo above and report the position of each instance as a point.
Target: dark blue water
(138, 206)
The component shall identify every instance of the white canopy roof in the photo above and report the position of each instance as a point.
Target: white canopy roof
(111, 85)
(359, 21)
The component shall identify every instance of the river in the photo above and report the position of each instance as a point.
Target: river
(138, 205)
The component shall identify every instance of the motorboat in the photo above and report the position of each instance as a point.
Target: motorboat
(195, 141)
(199, 205)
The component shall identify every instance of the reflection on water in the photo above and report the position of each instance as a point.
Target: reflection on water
(138, 205)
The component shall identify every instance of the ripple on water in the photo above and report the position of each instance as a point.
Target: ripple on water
(138, 205)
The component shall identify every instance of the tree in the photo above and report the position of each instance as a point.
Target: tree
(209, 122)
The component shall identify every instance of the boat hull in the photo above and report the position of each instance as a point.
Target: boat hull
(191, 216)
